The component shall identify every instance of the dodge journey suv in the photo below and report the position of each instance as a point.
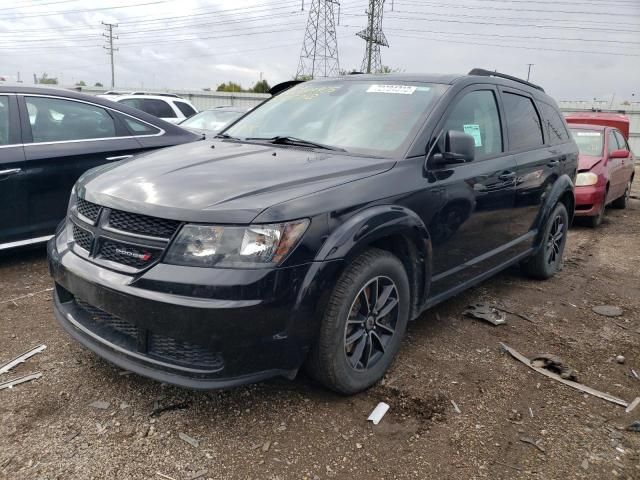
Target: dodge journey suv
(314, 228)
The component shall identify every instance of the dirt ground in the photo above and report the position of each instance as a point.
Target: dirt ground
(279, 429)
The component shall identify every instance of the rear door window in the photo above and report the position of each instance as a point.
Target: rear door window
(523, 122)
(4, 120)
(553, 124)
(185, 108)
(55, 120)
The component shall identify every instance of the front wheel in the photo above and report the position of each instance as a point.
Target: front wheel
(363, 325)
(624, 199)
(548, 259)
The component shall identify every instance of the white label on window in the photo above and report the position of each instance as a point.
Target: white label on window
(588, 134)
(400, 89)
(474, 131)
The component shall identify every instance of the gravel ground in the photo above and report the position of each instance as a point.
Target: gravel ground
(52, 428)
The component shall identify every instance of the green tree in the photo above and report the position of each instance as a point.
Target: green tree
(98, 84)
(81, 84)
(387, 69)
(261, 87)
(303, 78)
(46, 80)
(229, 87)
(342, 72)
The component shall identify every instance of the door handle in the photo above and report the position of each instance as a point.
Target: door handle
(507, 176)
(10, 171)
(553, 162)
(120, 157)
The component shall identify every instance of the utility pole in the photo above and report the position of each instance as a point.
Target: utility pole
(529, 71)
(374, 36)
(109, 47)
(319, 55)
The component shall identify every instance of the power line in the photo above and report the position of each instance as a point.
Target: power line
(319, 53)
(374, 36)
(110, 49)
(71, 12)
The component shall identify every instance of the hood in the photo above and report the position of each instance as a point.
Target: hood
(587, 162)
(225, 182)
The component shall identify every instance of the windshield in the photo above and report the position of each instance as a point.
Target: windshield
(214, 120)
(589, 141)
(368, 117)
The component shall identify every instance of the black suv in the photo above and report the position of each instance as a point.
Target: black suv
(314, 228)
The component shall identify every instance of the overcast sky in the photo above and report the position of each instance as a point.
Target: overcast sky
(198, 43)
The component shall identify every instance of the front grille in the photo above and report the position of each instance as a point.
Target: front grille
(129, 255)
(138, 339)
(82, 238)
(142, 224)
(111, 322)
(87, 209)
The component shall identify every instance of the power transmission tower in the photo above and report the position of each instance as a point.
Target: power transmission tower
(374, 37)
(109, 47)
(319, 55)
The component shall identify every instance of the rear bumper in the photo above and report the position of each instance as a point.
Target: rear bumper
(193, 327)
(589, 200)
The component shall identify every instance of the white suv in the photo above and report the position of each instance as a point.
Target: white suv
(166, 106)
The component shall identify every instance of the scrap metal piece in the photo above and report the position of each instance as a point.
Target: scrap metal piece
(556, 365)
(633, 405)
(21, 358)
(530, 441)
(555, 376)
(19, 380)
(607, 310)
(485, 312)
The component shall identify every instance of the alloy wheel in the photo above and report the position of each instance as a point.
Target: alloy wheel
(555, 240)
(371, 323)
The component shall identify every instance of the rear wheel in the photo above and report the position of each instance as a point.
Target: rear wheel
(548, 259)
(624, 199)
(363, 324)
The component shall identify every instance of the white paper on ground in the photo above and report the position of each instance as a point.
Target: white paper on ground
(378, 413)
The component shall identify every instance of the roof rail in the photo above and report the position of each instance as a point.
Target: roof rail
(157, 94)
(487, 73)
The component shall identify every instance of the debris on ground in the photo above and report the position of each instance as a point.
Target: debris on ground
(166, 477)
(100, 404)
(635, 374)
(378, 413)
(620, 359)
(19, 380)
(455, 407)
(608, 310)
(554, 364)
(633, 405)
(576, 385)
(167, 408)
(634, 426)
(535, 443)
(199, 474)
(28, 295)
(190, 440)
(517, 314)
(266, 445)
(21, 358)
(482, 311)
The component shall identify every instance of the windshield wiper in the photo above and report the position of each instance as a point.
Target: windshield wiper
(286, 140)
(226, 136)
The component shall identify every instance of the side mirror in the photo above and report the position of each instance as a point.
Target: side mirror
(459, 148)
(619, 154)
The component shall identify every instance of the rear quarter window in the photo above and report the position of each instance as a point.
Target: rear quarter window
(553, 124)
(523, 122)
(185, 108)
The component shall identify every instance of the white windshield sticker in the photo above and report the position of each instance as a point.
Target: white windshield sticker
(474, 131)
(588, 134)
(399, 89)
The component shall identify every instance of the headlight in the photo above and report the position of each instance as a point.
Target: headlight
(241, 247)
(585, 179)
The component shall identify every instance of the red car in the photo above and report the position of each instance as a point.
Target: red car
(605, 170)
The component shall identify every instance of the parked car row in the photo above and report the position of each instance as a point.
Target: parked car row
(168, 107)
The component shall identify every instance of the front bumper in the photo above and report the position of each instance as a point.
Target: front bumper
(589, 200)
(199, 328)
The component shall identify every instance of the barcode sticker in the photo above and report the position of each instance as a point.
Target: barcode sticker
(398, 89)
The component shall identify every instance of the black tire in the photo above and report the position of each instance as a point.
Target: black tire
(548, 259)
(349, 368)
(595, 220)
(622, 202)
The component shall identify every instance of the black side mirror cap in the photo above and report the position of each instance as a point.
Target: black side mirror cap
(459, 148)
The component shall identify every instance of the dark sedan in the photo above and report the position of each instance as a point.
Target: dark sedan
(48, 138)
